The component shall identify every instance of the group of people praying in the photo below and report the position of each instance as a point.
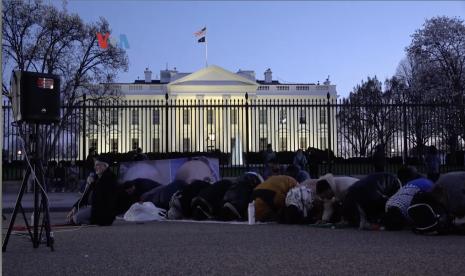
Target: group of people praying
(376, 201)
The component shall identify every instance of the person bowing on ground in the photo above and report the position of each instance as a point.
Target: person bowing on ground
(332, 191)
(270, 197)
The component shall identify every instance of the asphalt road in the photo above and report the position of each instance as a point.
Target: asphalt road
(184, 248)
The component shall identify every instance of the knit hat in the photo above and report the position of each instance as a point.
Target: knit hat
(260, 178)
(102, 159)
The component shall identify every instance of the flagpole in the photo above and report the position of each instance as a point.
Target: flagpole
(206, 50)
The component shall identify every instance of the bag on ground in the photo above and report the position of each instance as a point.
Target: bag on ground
(141, 212)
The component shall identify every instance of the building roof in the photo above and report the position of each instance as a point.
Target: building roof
(182, 77)
(275, 82)
(143, 82)
(214, 75)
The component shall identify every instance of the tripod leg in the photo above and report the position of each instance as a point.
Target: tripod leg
(36, 239)
(16, 209)
(25, 221)
(46, 214)
(46, 222)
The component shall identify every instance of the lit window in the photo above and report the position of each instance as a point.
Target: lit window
(156, 117)
(135, 117)
(185, 117)
(234, 117)
(262, 116)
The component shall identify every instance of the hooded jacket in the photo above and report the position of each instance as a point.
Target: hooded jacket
(339, 185)
(366, 199)
(453, 198)
(270, 196)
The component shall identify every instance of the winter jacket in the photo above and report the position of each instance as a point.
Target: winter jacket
(101, 195)
(161, 196)
(379, 159)
(370, 195)
(453, 186)
(403, 198)
(300, 161)
(270, 196)
(432, 163)
(339, 185)
(142, 186)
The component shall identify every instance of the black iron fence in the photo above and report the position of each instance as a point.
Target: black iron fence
(338, 136)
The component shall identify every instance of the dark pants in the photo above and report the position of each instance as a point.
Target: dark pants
(59, 184)
(433, 176)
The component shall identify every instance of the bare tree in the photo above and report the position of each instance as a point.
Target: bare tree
(367, 117)
(440, 45)
(415, 90)
(41, 38)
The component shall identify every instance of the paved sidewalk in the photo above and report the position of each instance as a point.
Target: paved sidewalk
(186, 248)
(58, 202)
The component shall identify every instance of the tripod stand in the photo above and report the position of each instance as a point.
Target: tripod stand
(40, 208)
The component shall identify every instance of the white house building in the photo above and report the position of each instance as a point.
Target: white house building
(207, 110)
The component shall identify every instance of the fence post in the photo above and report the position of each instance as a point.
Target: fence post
(84, 127)
(247, 131)
(166, 122)
(329, 131)
(404, 119)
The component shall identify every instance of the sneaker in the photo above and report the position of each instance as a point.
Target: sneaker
(199, 201)
(230, 212)
(200, 214)
(175, 208)
(174, 213)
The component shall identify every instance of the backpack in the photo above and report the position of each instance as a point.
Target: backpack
(428, 215)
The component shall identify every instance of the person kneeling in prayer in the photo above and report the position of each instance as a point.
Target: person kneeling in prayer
(270, 197)
(332, 191)
(97, 204)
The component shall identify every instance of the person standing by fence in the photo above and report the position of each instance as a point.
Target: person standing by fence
(139, 155)
(432, 163)
(89, 166)
(300, 160)
(60, 175)
(90, 161)
(269, 158)
(72, 177)
(379, 158)
(313, 162)
(50, 175)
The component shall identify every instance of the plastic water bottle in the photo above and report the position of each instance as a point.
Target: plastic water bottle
(251, 212)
